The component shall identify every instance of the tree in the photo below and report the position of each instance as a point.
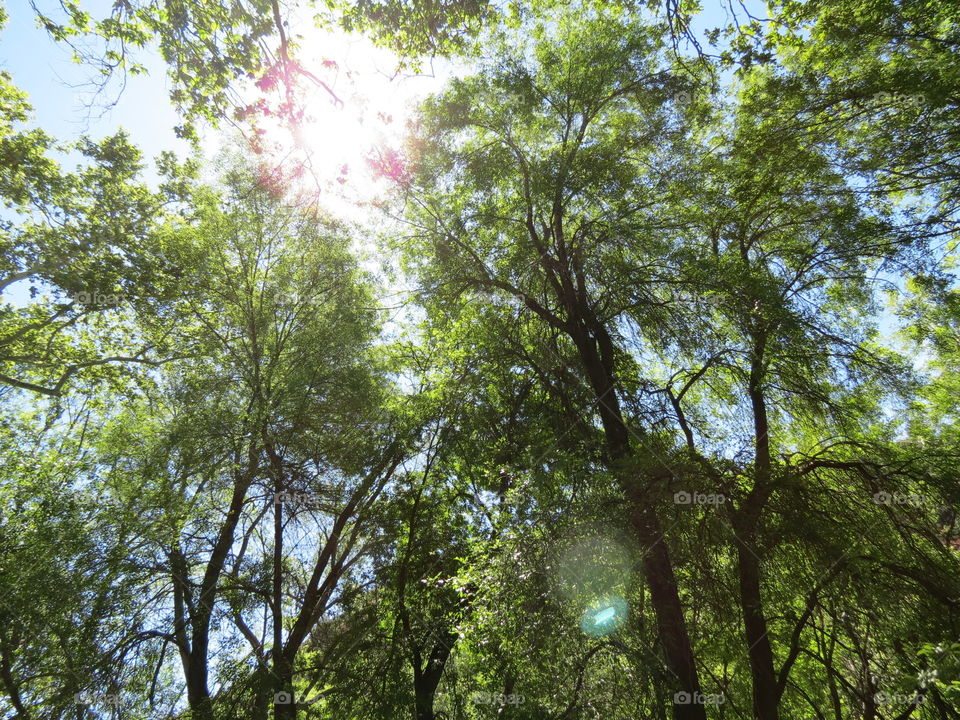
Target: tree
(277, 401)
(881, 76)
(538, 165)
(70, 611)
(84, 245)
(665, 426)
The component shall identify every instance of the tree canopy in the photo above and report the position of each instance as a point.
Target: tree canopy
(631, 395)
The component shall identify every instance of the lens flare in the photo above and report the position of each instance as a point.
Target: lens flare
(604, 617)
(594, 574)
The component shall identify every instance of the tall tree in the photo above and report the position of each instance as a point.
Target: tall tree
(517, 191)
(278, 400)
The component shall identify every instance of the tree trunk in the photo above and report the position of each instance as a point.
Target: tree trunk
(427, 679)
(765, 695)
(262, 687)
(194, 652)
(6, 674)
(423, 699)
(596, 352)
(665, 598)
(284, 701)
(198, 693)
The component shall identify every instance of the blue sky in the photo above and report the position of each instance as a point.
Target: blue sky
(55, 84)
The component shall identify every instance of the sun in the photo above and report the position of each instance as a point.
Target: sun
(340, 138)
(351, 107)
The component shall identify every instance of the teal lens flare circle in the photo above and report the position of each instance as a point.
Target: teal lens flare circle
(604, 617)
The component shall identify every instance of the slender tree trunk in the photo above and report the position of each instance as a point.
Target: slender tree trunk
(6, 674)
(765, 695)
(508, 688)
(262, 693)
(423, 698)
(193, 647)
(197, 610)
(869, 704)
(284, 701)
(198, 673)
(826, 650)
(665, 598)
(596, 351)
(198, 693)
(197, 670)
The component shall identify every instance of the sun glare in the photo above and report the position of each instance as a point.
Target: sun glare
(360, 116)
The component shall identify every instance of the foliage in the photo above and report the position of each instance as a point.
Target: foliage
(666, 428)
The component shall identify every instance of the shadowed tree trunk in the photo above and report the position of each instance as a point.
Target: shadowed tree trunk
(766, 696)
(193, 610)
(426, 678)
